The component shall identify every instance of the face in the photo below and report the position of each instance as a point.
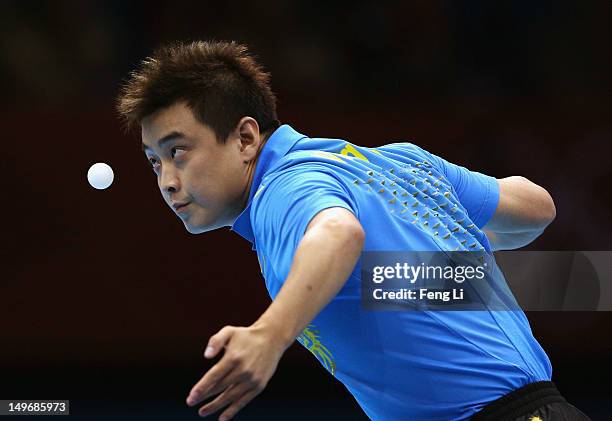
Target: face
(204, 182)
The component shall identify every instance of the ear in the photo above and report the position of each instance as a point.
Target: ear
(249, 137)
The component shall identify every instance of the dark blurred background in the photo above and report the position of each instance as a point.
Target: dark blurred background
(106, 299)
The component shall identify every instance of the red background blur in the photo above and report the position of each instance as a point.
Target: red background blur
(108, 301)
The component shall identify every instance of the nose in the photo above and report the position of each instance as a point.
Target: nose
(169, 181)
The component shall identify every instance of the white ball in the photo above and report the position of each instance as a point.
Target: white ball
(100, 175)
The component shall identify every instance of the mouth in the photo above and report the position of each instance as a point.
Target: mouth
(180, 207)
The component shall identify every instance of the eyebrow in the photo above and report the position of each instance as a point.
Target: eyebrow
(167, 138)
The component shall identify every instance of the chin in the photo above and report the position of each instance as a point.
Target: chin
(194, 229)
(198, 223)
(199, 228)
(191, 230)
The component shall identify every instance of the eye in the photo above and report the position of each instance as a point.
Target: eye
(176, 151)
(154, 164)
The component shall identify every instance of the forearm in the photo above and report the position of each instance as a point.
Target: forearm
(513, 240)
(523, 213)
(523, 207)
(323, 261)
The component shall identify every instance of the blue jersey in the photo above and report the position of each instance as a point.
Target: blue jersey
(418, 365)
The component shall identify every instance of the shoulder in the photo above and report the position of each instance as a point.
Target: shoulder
(291, 197)
(306, 180)
(299, 170)
(405, 151)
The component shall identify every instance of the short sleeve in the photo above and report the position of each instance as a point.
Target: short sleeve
(284, 207)
(477, 192)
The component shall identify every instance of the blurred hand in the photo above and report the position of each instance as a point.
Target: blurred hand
(250, 359)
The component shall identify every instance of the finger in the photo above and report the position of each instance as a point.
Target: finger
(234, 376)
(239, 404)
(231, 394)
(218, 341)
(210, 380)
(218, 381)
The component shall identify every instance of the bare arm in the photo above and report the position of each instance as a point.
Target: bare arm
(323, 261)
(523, 213)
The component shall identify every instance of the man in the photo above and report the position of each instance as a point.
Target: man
(311, 207)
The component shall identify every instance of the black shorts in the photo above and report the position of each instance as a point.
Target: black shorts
(539, 401)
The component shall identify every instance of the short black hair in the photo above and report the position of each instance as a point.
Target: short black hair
(220, 81)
